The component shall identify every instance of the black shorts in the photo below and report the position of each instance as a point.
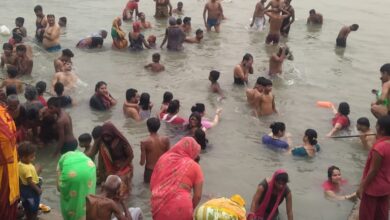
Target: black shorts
(341, 42)
(147, 175)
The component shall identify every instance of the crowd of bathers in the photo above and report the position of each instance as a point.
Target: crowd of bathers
(172, 170)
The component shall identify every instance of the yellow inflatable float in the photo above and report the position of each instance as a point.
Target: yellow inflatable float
(222, 209)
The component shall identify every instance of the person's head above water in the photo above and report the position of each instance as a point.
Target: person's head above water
(354, 27)
(334, 174)
(112, 185)
(59, 88)
(267, 83)
(312, 12)
(62, 21)
(187, 20)
(96, 132)
(198, 107)
(153, 124)
(195, 120)
(179, 21)
(144, 101)
(172, 21)
(385, 72)
(30, 93)
(199, 34)
(310, 136)
(281, 180)
(383, 126)
(156, 57)
(19, 22)
(173, 107)
(180, 6)
(152, 39)
(214, 76)
(8, 48)
(67, 53)
(131, 95)
(99, 87)
(167, 97)
(343, 108)
(363, 124)
(247, 57)
(12, 72)
(41, 87)
(38, 11)
(278, 129)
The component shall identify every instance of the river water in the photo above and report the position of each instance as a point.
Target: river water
(237, 161)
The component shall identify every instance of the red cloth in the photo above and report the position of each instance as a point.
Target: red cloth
(380, 185)
(175, 120)
(341, 119)
(260, 212)
(169, 200)
(131, 5)
(328, 186)
(374, 208)
(8, 211)
(42, 100)
(105, 100)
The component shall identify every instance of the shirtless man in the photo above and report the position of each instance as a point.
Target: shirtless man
(66, 57)
(252, 95)
(258, 16)
(276, 61)
(18, 40)
(130, 107)
(197, 39)
(105, 205)
(63, 125)
(162, 7)
(156, 66)
(285, 28)
(7, 58)
(179, 9)
(40, 22)
(152, 148)
(12, 81)
(51, 37)
(131, 7)
(274, 4)
(382, 106)
(67, 77)
(314, 17)
(341, 40)
(242, 70)
(366, 135)
(174, 35)
(187, 25)
(144, 24)
(275, 23)
(266, 101)
(23, 63)
(214, 15)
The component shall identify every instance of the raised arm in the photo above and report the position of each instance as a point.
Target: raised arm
(255, 201)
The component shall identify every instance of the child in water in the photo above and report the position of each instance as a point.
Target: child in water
(155, 66)
(19, 22)
(85, 142)
(214, 87)
(366, 137)
(152, 41)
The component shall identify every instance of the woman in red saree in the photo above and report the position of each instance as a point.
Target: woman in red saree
(9, 171)
(117, 156)
(270, 194)
(174, 176)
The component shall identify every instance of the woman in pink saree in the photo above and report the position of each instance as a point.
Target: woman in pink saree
(269, 195)
(174, 176)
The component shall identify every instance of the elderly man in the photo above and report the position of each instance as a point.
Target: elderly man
(175, 36)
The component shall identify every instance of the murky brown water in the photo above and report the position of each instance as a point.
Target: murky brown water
(237, 161)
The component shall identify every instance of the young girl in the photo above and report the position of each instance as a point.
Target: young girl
(145, 106)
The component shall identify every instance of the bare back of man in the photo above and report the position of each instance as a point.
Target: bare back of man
(100, 207)
(152, 148)
(252, 95)
(266, 104)
(13, 82)
(131, 112)
(275, 64)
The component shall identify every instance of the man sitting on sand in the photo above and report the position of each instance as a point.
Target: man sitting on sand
(51, 37)
(105, 205)
(152, 148)
(314, 17)
(341, 40)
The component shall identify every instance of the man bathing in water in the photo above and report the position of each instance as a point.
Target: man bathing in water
(162, 7)
(144, 24)
(23, 63)
(276, 61)
(382, 106)
(179, 9)
(67, 77)
(156, 66)
(341, 40)
(314, 17)
(63, 127)
(265, 103)
(253, 95)
(40, 22)
(258, 16)
(106, 204)
(130, 106)
(275, 22)
(51, 37)
(152, 148)
(285, 28)
(12, 73)
(8, 57)
(66, 57)
(242, 70)
(214, 15)
(197, 39)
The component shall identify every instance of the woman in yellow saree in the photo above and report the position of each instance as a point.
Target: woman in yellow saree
(118, 35)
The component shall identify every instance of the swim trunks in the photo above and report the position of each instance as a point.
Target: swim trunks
(238, 81)
(54, 48)
(212, 22)
(274, 38)
(341, 42)
(147, 175)
(260, 23)
(69, 146)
